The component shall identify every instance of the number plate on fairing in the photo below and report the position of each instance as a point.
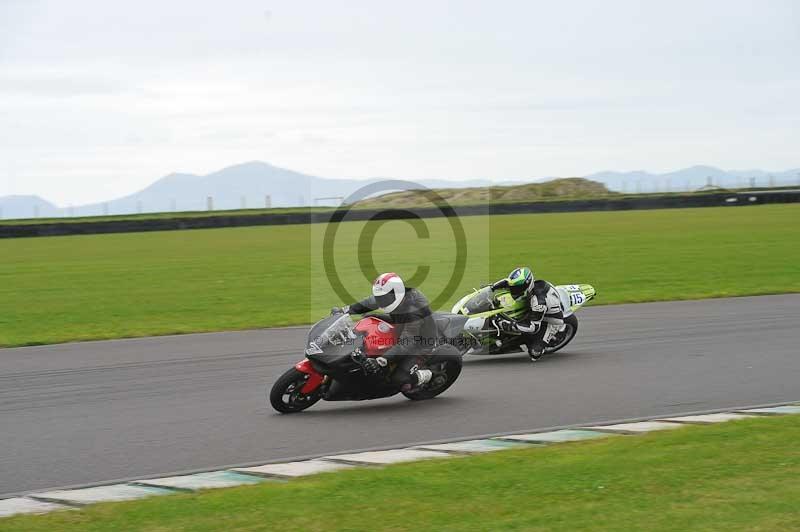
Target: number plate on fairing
(576, 298)
(313, 349)
(576, 294)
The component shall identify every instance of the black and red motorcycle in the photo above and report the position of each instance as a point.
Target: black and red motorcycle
(336, 349)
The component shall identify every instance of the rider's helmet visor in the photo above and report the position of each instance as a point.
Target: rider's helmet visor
(517, 291)
(385, 300)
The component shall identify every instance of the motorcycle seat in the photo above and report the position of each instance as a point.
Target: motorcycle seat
(449, 325)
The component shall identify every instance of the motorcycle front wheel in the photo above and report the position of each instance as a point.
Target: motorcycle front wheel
(286, 397)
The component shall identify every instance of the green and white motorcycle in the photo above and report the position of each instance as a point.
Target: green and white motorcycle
(484, 313)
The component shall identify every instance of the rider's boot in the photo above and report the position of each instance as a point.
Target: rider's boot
(419, 378)
(535, 346)
(536, 342)
(535, 350)
(423, 376)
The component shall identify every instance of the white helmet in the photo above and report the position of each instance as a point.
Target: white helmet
(389, 291)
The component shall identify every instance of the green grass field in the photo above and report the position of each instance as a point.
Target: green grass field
(123, 285)
(740, 475)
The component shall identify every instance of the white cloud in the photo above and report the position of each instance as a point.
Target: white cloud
(99, 99)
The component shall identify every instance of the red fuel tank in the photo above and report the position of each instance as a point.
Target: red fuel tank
(379, 335)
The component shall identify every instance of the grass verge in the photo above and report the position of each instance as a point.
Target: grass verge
(139, 284)
(740, 475)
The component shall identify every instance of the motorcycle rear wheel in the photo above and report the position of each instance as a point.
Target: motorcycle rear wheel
(285, 395)
(447, 367)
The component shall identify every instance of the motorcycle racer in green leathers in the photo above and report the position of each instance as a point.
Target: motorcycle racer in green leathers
(546, 315)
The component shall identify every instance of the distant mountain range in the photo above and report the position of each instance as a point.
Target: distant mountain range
(248, 185)
(240, 186)
(693, 178)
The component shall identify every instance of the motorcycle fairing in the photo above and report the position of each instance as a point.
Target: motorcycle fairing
(486, 303)
(314, 378)
(358, 387)
(379, 335)
(574, 296)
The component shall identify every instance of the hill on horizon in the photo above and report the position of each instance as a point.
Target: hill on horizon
(568, 187)
(247, 185)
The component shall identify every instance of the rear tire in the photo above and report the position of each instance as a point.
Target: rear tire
(446, 365)
(286, 397)
(572, 329)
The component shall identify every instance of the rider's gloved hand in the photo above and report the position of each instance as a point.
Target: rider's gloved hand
(339, 310)
(375, 365)
(506, 325)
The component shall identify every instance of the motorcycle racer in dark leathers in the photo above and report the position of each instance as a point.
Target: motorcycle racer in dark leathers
(407, 309)
(546, 316)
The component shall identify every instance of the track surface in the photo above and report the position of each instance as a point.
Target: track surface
(91, 412)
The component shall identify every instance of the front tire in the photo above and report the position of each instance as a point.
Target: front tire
(446, 365)
(566, 336)
(286, 397)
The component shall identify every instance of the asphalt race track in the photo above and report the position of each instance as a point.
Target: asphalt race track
(93, 412)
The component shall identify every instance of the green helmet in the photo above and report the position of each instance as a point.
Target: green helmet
(520, 282)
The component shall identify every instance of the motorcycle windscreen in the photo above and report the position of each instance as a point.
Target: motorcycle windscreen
(330, 330)
(332, 339)
(482, 301)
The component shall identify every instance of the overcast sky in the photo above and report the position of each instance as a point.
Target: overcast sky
(98, 98)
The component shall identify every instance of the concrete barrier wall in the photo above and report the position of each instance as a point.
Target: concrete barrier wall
(605, 204)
